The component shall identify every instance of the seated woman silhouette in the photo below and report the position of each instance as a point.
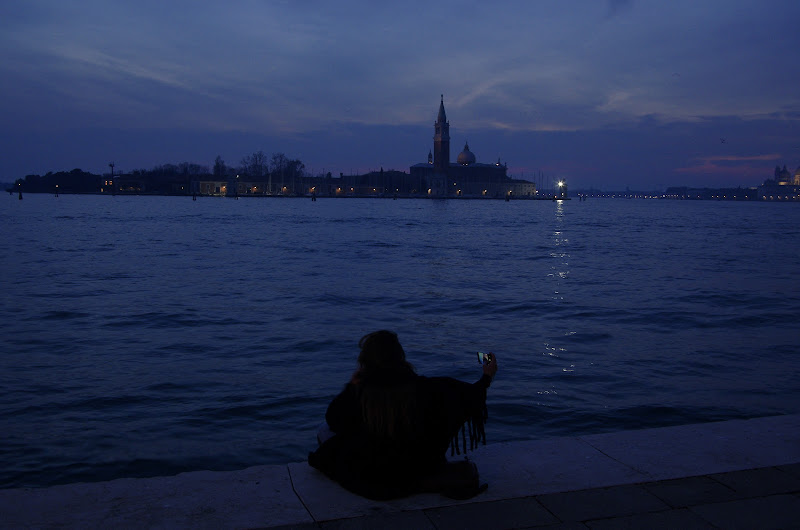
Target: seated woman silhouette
(392, 428)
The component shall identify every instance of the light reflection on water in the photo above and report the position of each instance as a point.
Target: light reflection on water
(148, 335)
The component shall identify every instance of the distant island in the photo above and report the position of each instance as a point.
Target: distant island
(259, 175)
(170, 179)
(282, 177)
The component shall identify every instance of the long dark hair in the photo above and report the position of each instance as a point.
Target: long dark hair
(387, 389)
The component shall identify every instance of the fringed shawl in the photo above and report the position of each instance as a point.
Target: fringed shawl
(463, 412)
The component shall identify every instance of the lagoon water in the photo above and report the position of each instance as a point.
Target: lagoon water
(151, 335)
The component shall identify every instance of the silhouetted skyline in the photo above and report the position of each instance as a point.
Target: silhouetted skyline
(607, 95)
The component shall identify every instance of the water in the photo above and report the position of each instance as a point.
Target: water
(151, 335)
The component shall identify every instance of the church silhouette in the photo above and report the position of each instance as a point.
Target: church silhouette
(465, 177)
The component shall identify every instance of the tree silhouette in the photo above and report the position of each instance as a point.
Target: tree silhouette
(255, 165)
(219, 167)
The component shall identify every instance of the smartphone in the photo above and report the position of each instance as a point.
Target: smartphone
(483, 358)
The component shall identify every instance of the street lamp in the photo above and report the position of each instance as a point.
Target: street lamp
(562, 189)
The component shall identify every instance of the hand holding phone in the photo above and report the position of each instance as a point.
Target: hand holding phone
(489, 363)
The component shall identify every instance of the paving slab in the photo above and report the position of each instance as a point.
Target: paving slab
(391, 521)
(792, 469)
(691, 491)
(258, 496)
(668, 520)
(299, 526)
(519, 469)
(497, 515)
(561, 526)
(673, 452)
(600, 503)
(764, 513)
(771, 441)
(759, 482)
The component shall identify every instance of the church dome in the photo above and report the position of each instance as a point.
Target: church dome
(465, 157)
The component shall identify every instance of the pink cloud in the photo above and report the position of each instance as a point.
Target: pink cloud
(731, 165)
(708, 168)
(734, 158)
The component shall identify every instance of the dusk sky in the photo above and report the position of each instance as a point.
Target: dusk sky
(604, 93)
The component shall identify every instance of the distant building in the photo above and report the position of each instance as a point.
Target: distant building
(466, 177)
(231, 187)
(783, 187)
(123, 183)
(210, 187)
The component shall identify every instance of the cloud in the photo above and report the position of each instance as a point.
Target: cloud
(731, 167)
(615, 7)
(752, 175)
(733, 158)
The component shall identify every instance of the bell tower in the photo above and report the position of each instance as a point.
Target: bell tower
(441, 140)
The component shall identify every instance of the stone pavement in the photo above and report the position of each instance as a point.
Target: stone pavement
(733, 474)
(761, 498)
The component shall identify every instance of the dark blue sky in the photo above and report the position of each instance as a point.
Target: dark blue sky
(606, 94)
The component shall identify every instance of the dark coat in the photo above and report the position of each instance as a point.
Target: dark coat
(381, 467)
